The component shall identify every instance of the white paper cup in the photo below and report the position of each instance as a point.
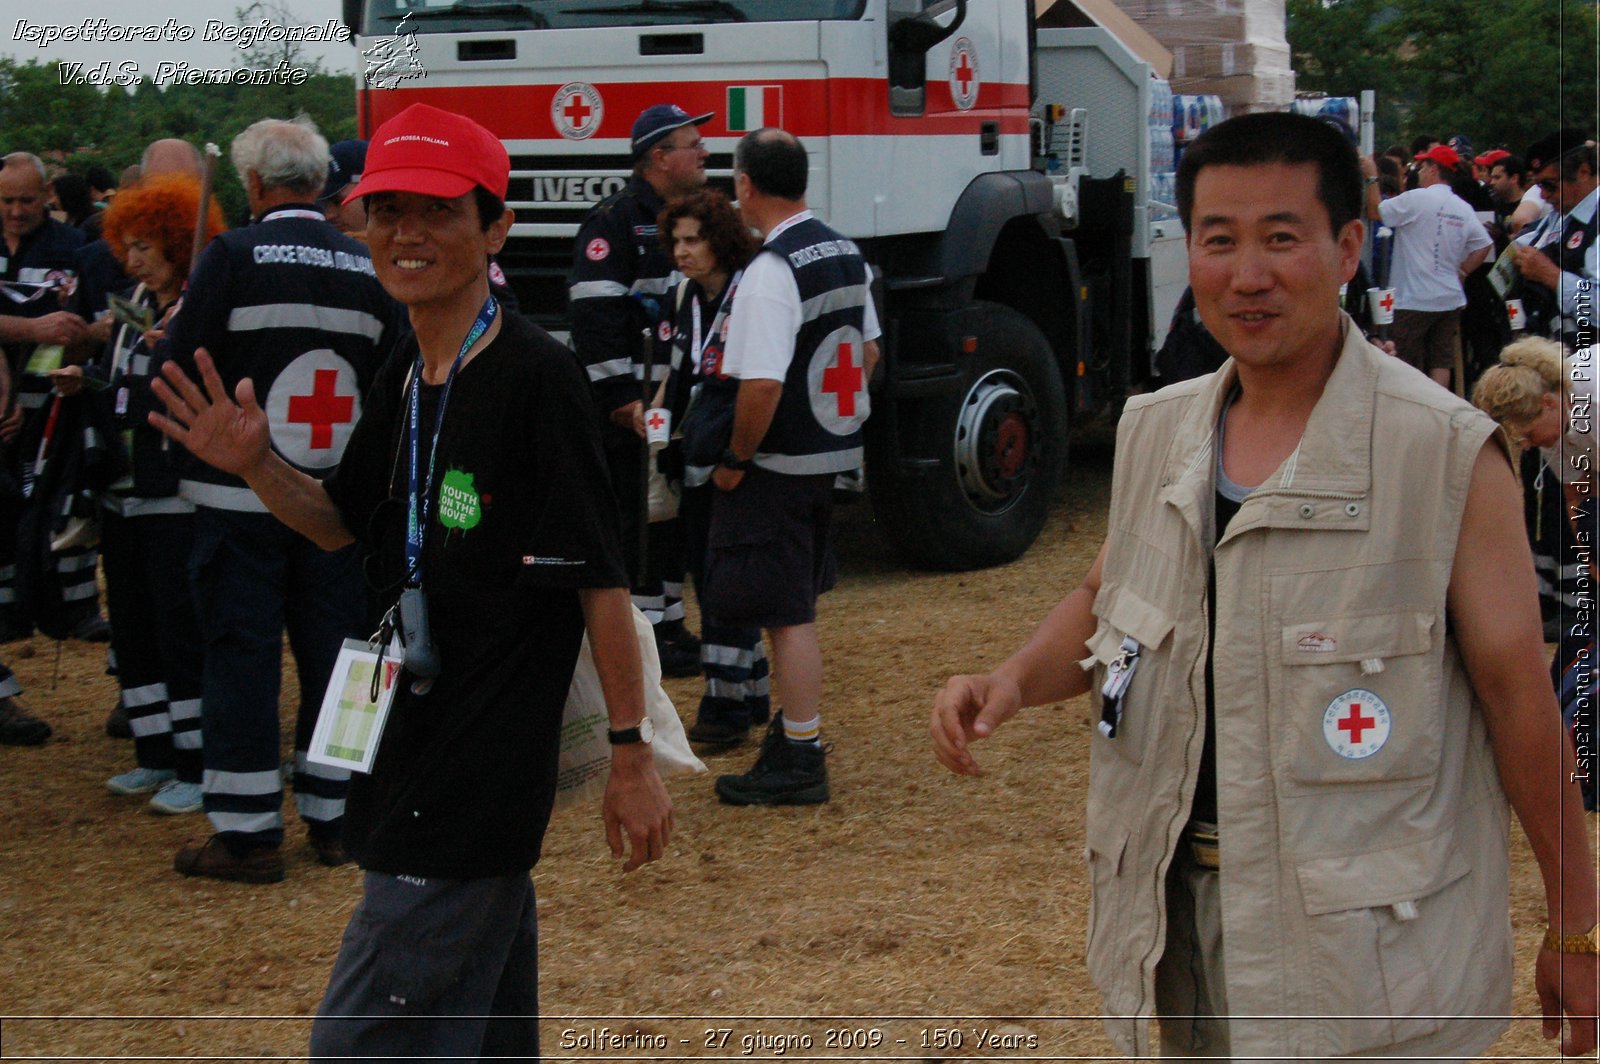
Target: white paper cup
(657, 426)
(1515, 316)
(1382, 300)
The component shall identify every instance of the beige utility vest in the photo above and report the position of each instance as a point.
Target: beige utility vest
(1364, 868)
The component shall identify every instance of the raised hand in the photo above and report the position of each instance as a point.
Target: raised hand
(229, 434)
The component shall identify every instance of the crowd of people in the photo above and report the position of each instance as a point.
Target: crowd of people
(247, 430)
(248, 427)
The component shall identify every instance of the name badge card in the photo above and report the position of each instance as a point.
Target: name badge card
(351, 720)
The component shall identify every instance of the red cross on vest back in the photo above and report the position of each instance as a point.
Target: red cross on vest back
(1354, 724)
(322, 409)
(655, 419)
(964, 73)
(843, 380)
(577, 111)
(1387, 302)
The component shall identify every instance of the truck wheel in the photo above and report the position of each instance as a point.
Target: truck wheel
(995, 452)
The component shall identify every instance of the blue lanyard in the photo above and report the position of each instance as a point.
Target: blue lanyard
(421, 496)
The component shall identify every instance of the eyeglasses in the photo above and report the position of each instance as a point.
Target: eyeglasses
(696, 145)
(1548, 185)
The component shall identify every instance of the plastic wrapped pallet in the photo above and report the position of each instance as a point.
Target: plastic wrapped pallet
(1226, 60)
(1243, 93)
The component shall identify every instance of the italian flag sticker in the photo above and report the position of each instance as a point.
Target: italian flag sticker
(753, 106)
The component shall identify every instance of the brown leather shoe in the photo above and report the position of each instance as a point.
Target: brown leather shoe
(330, 851)
(214, 860)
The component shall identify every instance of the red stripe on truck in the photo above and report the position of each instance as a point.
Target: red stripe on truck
(810, 107)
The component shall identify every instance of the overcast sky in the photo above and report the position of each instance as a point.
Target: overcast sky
(16, 29)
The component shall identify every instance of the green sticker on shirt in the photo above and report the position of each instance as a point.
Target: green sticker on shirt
(459, 506)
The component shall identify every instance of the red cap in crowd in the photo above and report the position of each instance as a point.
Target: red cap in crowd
(1489, 158)
(434, 153)
(1442, 154)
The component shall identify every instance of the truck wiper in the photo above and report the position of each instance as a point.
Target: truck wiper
(730, 12)
(463, 9)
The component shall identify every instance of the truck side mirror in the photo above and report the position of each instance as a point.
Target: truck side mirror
(922, 31)
(350, 15)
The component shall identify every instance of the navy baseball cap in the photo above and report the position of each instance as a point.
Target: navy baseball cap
(346, 160)
(656, 122)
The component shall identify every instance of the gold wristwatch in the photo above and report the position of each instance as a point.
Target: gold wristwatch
(1588, 942)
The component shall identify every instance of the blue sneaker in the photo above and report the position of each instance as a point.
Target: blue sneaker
(140, 780)
(177, 797)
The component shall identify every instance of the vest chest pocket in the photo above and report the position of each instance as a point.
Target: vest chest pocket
(1356, 699)
(1130, 638)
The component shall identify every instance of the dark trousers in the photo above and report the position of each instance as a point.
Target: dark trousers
(155, 636)
(657, 578)
(435, 969)
(254, 578)
(732, 657)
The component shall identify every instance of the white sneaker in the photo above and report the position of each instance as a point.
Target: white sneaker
(177, 797)
(140, 780)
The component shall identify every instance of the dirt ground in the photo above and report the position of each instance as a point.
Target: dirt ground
(916, 916)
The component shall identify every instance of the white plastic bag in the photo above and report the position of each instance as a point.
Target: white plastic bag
(585, 760)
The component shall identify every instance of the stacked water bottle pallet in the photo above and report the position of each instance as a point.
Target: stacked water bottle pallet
(1233, 49)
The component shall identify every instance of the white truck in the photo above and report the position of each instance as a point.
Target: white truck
(996, 173)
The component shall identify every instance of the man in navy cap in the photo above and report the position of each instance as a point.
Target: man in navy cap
(619, 288)
(346, 160)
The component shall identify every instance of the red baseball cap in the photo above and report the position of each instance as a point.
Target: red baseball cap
(1489, 158)
(434, 153)
(1442, 154)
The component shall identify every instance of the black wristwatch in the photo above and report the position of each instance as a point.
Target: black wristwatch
(643, 732)
(732, 461)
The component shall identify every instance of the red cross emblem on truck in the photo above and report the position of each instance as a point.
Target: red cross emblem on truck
(323, 408)
(577, 111)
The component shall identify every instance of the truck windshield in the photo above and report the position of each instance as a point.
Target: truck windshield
(449, 16)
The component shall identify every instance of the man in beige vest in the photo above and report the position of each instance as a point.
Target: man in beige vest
(1315, 658)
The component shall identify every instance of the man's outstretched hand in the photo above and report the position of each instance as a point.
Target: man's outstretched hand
(228, 434)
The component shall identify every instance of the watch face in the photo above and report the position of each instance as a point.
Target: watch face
(647, 730)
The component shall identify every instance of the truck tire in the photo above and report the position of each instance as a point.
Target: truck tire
(987, 460)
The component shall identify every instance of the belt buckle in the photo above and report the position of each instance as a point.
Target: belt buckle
(1204, 848)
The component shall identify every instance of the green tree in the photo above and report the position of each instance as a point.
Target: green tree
(1503, 73)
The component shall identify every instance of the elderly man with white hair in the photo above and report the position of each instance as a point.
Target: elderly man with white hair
(294, 305)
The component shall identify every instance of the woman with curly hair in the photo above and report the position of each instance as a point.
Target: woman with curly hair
(147, 531)
(710, 246)
(1545, 400)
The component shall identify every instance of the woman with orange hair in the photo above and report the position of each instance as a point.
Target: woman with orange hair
(147, 531)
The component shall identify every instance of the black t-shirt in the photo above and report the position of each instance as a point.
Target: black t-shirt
(522, 517)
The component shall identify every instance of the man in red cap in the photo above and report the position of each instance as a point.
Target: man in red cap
(476, 476)
(1438, 240)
